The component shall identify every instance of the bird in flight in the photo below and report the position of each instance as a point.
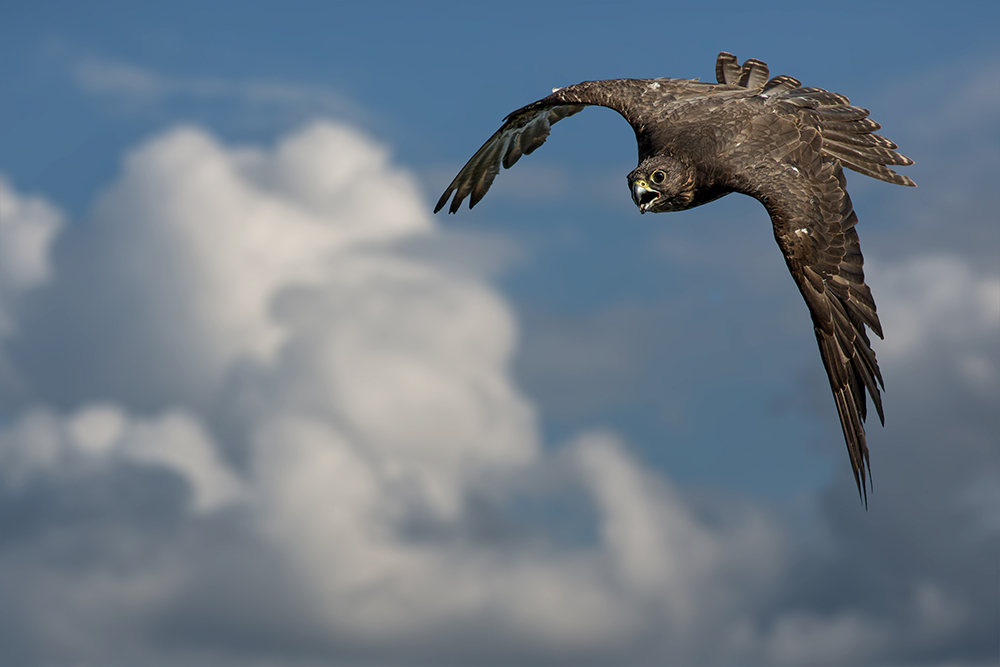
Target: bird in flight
(772, 139)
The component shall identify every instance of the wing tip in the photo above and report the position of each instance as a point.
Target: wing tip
(442, 201)
(455, 203)
(870, 487)
(862, 480)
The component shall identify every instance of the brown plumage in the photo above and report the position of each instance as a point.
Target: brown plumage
(781, 143)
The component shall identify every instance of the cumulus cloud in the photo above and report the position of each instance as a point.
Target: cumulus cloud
(28, 225)
(934, 300)
(257, 426)
(84, 443)
(186, 252)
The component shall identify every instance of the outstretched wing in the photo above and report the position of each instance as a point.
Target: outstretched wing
(527, 128)
(805, 194)
(523, 131)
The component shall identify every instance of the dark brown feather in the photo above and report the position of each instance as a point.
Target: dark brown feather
(727, 69)
(780, 84)
(754, 74)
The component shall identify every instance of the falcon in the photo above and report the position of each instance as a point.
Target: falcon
(782, 143)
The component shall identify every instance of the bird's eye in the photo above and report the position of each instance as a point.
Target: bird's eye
(658, 176)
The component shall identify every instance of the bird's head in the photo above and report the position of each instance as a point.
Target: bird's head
(662, 183)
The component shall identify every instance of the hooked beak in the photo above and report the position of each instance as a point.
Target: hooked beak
(643, 196)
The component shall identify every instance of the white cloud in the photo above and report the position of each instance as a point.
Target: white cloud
(28, 226)
(380, 396)
(178, 442)
(92, 438)
(249, 321)
(96, 429)
(940, 302)
(186, 252)
(655, 563)
(217, 233)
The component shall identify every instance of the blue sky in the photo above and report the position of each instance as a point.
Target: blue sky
(235, 341)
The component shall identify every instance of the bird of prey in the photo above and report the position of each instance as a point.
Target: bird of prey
(773, 139)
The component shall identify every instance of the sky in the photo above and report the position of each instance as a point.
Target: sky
(258, 405)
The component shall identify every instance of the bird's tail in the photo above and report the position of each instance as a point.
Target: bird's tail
(752, 74)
